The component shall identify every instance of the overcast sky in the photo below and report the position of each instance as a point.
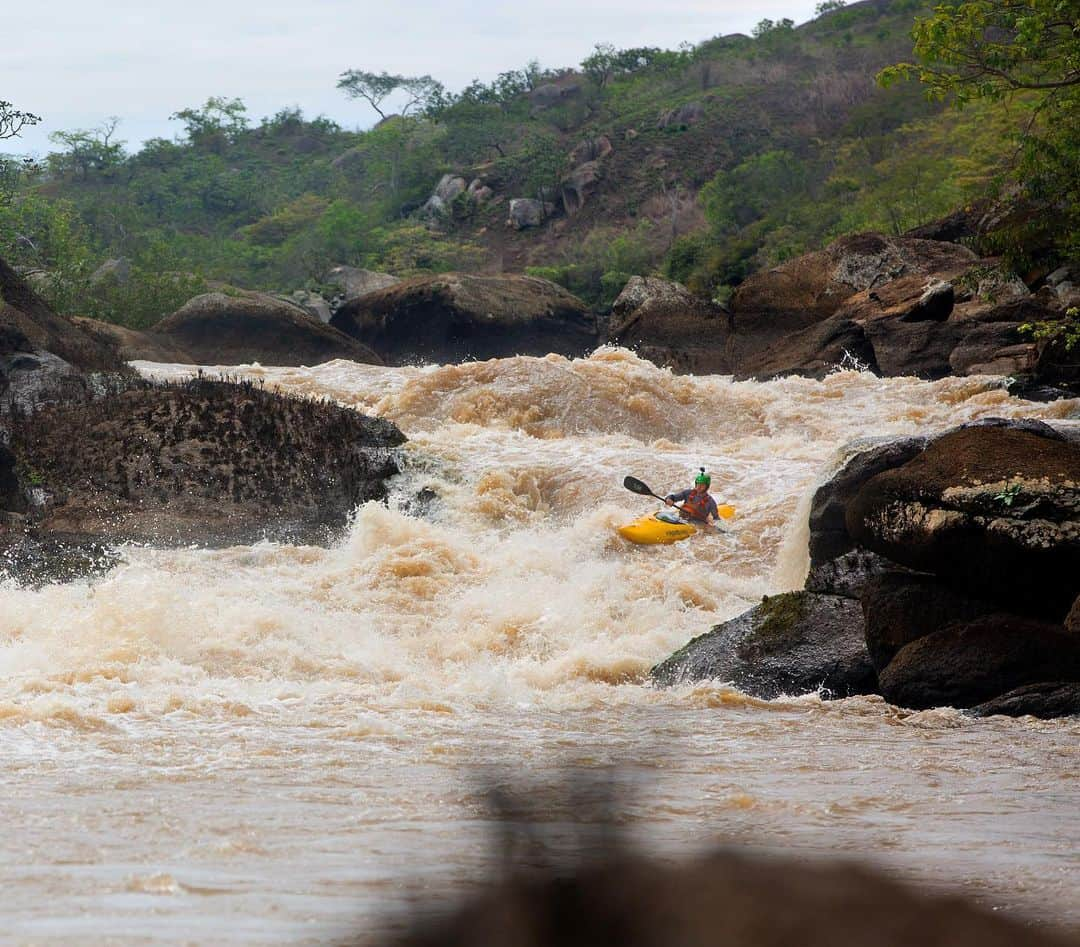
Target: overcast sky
(76, 63)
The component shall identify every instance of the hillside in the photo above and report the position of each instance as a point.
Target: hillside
(705, 163)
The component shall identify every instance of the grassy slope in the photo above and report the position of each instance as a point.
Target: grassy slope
(273, 206)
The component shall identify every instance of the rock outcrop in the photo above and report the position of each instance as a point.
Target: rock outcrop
(958, 560)
(233, 328)
(789, 644)
(993, 510)
(456, 316)
(1046, 701)
(967, 664)
(43, 355)
(353, 282)
(665, 323)
(206, 462)
(525, 212)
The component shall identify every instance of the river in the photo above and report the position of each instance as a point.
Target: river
(280, 744)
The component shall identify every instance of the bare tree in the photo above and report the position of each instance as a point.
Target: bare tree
(13, 121)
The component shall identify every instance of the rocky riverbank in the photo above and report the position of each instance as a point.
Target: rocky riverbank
(91, 456)
(943, 571)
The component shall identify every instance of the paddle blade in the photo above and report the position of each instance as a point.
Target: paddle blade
(725, 511)
(636, 486)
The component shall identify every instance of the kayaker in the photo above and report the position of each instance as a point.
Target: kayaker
(696, 502)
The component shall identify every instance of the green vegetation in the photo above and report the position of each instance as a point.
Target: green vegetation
(726, 157)
(992, 50)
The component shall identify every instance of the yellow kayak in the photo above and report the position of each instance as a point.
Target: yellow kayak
(662, 527)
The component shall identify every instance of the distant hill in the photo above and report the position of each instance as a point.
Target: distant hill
(706, 163)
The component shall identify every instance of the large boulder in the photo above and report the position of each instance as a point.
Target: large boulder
(352, 281)
(837, 565)
(993, 510)
(205, 462)
(576, 188)
(966, 664)
(43, 356)
(665, 323)
(133, 344)
(899, 608)
(455, 316)
(28, 324)
(794, 643)
(1046, 700)
(526, 212)
(239, 327)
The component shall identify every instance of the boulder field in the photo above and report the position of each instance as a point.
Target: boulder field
(943, 571)
(892, 305)
(232, 328)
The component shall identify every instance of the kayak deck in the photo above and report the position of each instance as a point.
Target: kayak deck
(652, 530)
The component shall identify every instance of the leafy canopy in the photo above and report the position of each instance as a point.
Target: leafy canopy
(988, 48)
(375, 87)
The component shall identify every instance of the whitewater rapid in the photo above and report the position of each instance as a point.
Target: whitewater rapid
(276, 744)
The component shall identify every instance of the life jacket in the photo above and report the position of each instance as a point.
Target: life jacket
(697, 506)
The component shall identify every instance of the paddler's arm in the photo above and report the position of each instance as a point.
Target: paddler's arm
(672, 498)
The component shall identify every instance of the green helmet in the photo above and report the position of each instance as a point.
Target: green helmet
(702, 478)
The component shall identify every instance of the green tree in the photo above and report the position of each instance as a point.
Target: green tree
(87, 149)
(990, 49)
(219, 120)
(374, 88)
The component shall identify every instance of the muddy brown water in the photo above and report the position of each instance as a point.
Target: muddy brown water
(280, 744)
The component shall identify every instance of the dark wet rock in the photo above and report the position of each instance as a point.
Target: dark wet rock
(1028, 388)
(966, 664)
(836, 565)
(665, 323)
(794, 643)
(884, 277)
(33, 558)
(1046, 700)
(847, 573)
(455, 316)
(240, 327)
(899, 608)
(1072, 620)
(205, 462)
(813, 352)
(994, 511)
(12, 498)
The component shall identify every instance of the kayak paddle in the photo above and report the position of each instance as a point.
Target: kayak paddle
(636, 486)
